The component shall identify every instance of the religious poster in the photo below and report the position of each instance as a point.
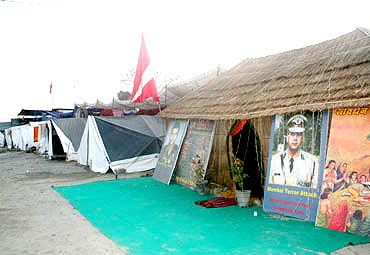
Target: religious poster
(195, 152)
(344, 203)
(295, 164)
(170, 151)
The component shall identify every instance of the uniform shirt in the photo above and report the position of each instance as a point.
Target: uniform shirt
(168, 154)
(303, 174)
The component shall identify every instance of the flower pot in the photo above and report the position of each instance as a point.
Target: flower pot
(201, 187)
(243, 197)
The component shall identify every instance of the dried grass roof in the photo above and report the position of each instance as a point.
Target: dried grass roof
(331, 74)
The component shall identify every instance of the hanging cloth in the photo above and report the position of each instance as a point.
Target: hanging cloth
(238, 128)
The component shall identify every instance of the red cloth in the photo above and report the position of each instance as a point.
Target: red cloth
(217, 202)
(337, 220)
(106, 112)
(238, 128)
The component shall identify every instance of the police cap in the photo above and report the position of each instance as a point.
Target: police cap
(297, 123)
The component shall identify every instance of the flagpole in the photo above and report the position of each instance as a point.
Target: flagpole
(52, 97)
(74, 95)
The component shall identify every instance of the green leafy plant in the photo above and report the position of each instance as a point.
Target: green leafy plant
(237, 173)
(198, 170)
(199, 173)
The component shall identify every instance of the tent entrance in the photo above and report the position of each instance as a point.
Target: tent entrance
(58, 152)
(245, 144)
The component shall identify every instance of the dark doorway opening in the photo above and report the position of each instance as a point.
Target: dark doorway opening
(246, 146)
(58, 152)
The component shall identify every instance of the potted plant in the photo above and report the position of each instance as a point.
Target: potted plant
(238, 176)
(199, 174)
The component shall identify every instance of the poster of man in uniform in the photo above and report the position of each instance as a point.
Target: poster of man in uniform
(170, 151)
(195, 152)
(293, 177)
(344, 203)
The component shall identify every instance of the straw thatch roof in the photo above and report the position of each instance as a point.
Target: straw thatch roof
(331, 74)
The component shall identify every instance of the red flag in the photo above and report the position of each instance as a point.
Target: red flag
(51, 87)
(144, 84)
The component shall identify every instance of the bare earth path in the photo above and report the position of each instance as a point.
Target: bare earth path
(34, 219)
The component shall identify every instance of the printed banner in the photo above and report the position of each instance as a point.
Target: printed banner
(195, 152)
(294, 170)
(170, 151)
(344, 203)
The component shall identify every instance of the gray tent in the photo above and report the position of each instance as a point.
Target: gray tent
(129, 143)
(66, 137)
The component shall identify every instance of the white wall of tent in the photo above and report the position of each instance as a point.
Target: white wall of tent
(89, 144)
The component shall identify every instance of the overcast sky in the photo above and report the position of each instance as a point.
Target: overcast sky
(86, 47)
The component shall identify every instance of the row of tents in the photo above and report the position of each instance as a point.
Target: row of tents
(130, 143)
(91, 136)
(326, 77)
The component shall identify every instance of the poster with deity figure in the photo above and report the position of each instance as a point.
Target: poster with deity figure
(344, 203)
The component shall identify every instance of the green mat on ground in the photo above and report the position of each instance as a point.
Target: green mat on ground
(149, 217)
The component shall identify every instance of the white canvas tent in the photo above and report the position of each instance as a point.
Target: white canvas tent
(3, 126)
(129, 143)
(2, 140)
(54, 137)
(23, 137)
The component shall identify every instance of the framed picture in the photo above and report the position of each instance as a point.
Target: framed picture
(344, 203)
(294, 171)
(195, 152)
(170, 151)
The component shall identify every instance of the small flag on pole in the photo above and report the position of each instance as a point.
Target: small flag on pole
(51, 87)
(144, 84)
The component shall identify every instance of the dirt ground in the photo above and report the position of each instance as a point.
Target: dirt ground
(34, 219)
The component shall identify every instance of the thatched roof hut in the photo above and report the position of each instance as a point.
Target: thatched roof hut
(331, 74)
(334, 73)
